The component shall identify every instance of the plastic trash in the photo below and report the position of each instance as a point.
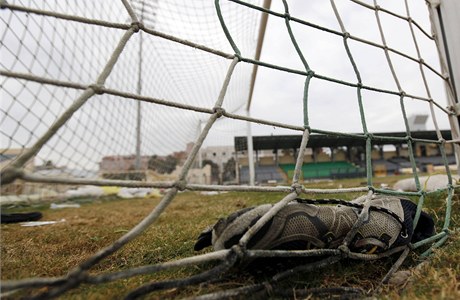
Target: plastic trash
(88, 190)
(41, 223)
(64, 205)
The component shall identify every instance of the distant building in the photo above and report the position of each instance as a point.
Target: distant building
(330, 156)
(7, 156)
(122, 163)
(47, 169)
(219, 155)
(417, 122)
(123, 167)
(200, 176)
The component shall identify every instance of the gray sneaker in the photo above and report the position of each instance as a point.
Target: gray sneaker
(302, 225)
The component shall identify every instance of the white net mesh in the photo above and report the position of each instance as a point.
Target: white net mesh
(100, 86)
(54, 48)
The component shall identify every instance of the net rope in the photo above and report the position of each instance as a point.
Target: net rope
(74, 86)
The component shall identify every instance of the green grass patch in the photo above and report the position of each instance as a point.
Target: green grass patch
(55, 249)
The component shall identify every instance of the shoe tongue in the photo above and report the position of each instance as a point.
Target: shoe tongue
(425, 225)
(231, 229)
(424, 229)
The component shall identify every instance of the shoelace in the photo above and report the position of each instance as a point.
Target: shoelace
(403, 231)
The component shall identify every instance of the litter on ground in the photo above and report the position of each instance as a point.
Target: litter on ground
(41, 223)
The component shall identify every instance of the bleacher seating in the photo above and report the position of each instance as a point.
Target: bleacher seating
(263, 174)
(390, 166)
(330, 169)
(337, 169)
(435, 160)
(402, 162)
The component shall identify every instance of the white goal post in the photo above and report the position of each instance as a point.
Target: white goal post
(445, 23)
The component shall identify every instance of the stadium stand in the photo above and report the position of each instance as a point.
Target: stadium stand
(435, 160)
(330, 169)
(264, 174)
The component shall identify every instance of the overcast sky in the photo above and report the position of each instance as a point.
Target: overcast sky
(106, 125)
(334, 107)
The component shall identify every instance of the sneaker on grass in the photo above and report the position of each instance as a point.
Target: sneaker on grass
(303, 225)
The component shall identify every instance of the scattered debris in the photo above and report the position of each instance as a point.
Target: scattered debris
(127, 193)
(212, 193)
(400, 278)
(41, 223)
(64, 205)
(427, 183)
(87, 190)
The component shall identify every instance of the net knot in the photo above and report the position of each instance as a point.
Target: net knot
(287, 16)
(136, 26)
(445, 75)
(10, 174)
(297, 188)
(180, 185)
(239, 251)
(219, 111)
(447, 231)
(402, 94)
(345, 251)
(238, 55)
(377, 7)
(451, 110)
(78, 276)
(346, 35)
(310, 73)
(97, 88)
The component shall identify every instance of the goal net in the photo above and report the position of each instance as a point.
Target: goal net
(142, 94)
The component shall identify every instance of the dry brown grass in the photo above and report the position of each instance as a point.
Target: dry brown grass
(53, 250)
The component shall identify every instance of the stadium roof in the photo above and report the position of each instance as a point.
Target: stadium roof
(334, 141)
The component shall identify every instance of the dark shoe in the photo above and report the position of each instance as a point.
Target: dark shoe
(21, 217)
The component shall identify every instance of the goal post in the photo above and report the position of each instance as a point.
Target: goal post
(445, 24)
(260, 42)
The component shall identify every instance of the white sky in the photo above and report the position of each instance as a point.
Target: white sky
(76, 52)
(278, 96)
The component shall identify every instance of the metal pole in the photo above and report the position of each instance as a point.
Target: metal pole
(200, 154)
(139, 108)
(445, 23)
(252, 174)
(260, 41)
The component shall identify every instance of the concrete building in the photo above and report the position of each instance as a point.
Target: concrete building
(17, 187)
(219, 155)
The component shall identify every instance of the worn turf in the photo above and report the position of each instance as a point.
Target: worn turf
(55, 249)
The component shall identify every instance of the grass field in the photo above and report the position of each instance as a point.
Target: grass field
(55, 249)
